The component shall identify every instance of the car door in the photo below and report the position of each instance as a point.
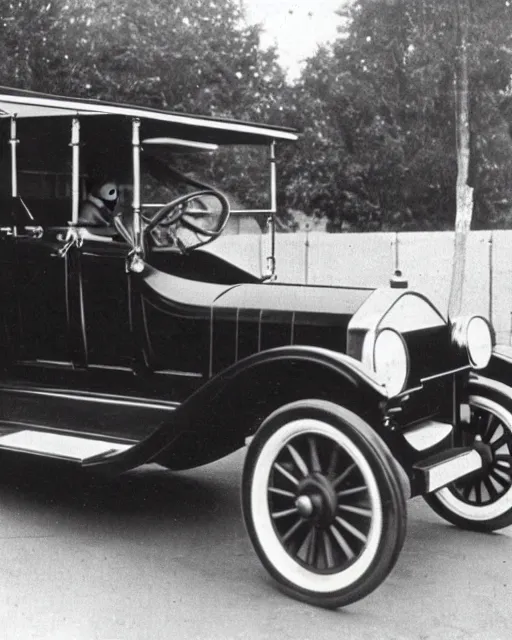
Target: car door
(73, 299)
(40, 273)
(103, 288)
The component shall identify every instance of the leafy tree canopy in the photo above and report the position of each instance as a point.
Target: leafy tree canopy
(193, 55)
(378, 111)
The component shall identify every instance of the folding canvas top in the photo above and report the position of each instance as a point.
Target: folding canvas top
(30, 104)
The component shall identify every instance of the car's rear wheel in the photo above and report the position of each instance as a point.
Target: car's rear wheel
(323, 503)
(483, 502)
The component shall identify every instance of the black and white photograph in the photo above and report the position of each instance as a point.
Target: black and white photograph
(255, 319)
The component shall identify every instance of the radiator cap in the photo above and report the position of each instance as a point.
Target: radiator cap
(398, 281)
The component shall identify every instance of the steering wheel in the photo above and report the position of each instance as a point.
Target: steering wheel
(176, 210)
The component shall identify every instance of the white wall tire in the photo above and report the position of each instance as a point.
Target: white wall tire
(322, 502)
(483, 502)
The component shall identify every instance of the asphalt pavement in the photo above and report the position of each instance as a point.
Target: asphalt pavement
(155, 555)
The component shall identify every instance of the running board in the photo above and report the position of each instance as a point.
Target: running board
(60, 446)
(439, 470)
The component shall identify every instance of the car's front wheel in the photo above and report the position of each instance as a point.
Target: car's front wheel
(323, 503)
(483, 502)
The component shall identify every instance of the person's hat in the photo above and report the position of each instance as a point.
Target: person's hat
(107, 191)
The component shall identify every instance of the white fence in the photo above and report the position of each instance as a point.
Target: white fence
(358, 259)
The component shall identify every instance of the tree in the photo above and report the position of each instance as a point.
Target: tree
(464, 192)
(28, 30)
(383, 151)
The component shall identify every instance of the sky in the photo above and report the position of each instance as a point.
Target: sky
(296, 27)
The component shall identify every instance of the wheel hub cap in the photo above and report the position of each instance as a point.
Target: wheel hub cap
(305, 506)
(317, 499)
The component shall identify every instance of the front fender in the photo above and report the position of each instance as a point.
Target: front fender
(493, 389)
(217, 418)
(350, 369)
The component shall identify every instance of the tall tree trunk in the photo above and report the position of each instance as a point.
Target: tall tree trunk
(464, 193)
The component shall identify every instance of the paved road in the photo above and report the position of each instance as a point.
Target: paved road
(158, 556)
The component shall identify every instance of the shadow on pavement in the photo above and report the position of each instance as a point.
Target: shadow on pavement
(42, 487)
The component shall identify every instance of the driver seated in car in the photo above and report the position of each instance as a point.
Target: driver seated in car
(97, 210)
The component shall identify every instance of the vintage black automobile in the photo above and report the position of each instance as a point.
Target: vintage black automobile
(140, 346)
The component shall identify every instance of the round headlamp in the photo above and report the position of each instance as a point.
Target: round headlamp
(390, 360)
(474, 334)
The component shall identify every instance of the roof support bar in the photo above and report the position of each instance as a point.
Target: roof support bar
(13, 141)
(273, 178)
(75, 185)
(137, 230)
(271, 222)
